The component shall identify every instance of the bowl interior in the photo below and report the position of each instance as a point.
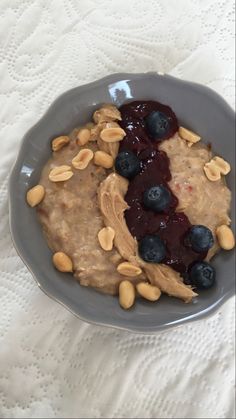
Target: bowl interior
(196, 107)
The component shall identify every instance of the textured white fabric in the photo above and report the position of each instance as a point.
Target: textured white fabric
(51, 363)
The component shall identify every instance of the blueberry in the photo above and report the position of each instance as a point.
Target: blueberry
(152, 249)
(157, 198)
(127, 164)
(202, 275)
(158, 124)
(199, 238)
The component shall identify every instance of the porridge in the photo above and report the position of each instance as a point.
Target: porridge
(134, 205)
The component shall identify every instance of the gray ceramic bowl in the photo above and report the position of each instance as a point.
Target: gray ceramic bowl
(196, 107)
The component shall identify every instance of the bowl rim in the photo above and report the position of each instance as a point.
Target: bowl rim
(112, 78)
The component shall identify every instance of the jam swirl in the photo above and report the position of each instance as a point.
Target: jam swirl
(170, 225)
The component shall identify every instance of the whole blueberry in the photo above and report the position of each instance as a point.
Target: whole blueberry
(127, 164)
(202, 275)
(157, 198)
(199, 238)
(158, 125)
(152, 249)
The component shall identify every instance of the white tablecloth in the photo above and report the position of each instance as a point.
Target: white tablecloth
(51, 363)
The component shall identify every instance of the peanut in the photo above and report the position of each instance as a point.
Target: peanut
(95, 131)
(126, 294)
(109, 148)
(127, 269)
(60, 173)
(83, 136)
(225, 237)
(107, 113)
(215, 168)
(60, 142)
(212, 172)
(82, 159)
(111, 135)
(189, 136)
(103, 159)
(62, 262)
(105, 237)
(223, 165)
(35, 195)
(148, 291)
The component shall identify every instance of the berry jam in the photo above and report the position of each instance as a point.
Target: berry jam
(170, 225)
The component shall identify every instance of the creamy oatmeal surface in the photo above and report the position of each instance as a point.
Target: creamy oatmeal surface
(71, 220)
(82, 203)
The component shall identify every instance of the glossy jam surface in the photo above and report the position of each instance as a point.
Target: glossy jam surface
(170, 225)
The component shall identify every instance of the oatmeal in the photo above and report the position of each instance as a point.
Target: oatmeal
(132, 204)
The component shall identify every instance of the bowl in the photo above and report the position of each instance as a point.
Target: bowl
(198, 108)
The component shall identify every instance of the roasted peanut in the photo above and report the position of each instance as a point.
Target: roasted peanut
(105, 237)
(109, 148)
(62, 262)
(35, 195)
(223, 165)
(95, 131)
(111, 135)
(60, 173)
(83, 136)
(103, 159)
(212, 172)
(189, 136)
(126, 294)
(215, 168)
(82, 159)
(148, 291)
(225, 237)
(60, 142)
(128, 269)
(107, 113)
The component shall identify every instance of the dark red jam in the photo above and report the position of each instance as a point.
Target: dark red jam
(171, 226)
